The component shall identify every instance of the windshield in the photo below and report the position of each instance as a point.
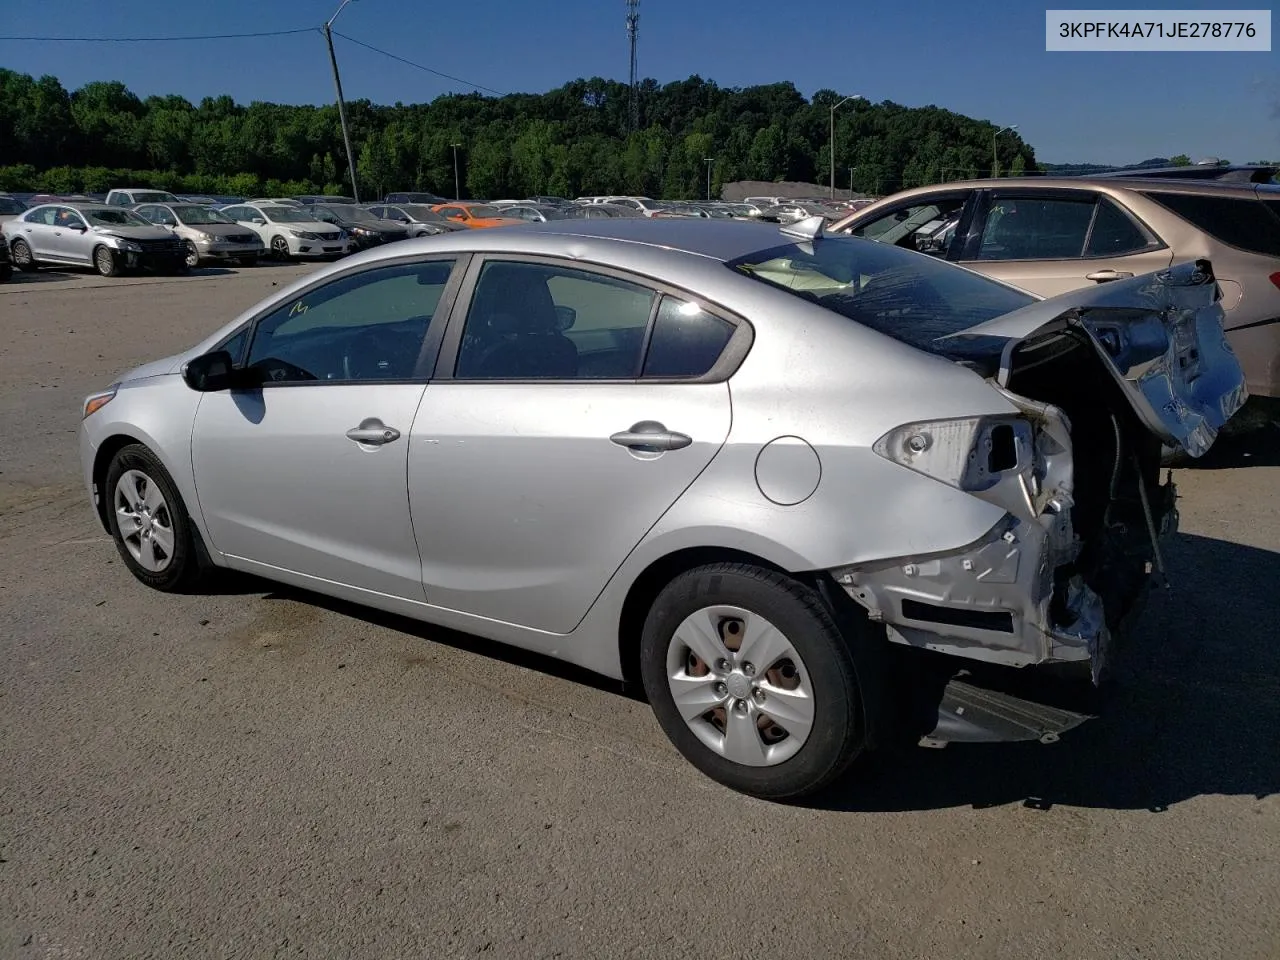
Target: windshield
(484, 210)
(10, 205)
(287, 215)
(114, 218)
(908, 296)
(421, 213)
(354, 213)
(153, 196)
(198, 215)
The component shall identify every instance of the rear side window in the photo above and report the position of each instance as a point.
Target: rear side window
(1236, 221)
(686, 340)
(1114, 234)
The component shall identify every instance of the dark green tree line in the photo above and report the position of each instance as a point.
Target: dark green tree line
(571, 140)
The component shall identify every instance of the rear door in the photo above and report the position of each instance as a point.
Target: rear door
(1051, 241)
(581, 404)
(37, 231)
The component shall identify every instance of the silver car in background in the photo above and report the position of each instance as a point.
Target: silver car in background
(111, 240)
(736, 463)
(206, 233)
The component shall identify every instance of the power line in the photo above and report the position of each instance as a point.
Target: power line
(385, 53)
(212, 36)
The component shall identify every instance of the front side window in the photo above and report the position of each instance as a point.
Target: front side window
(71, 220)
(926, 227)
(535, 322)
(1035, 228)
(366, 326)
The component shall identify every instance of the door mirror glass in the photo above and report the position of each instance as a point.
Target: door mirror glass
(211, 372)
(259, 221)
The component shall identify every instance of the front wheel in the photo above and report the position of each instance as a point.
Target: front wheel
(753, 681)
(280, 248)
(192, 258)
(148, 522)
(104, 261)
(20, 253)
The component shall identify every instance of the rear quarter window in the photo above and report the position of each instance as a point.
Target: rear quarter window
(1236, 221)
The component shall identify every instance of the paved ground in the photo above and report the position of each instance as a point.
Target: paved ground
(266, 774)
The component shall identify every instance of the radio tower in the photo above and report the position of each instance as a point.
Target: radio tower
(633, 30)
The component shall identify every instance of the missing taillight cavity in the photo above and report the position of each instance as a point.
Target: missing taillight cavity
(1003, 454)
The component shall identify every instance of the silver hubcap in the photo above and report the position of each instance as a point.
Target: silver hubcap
(281, 246)
(193, 256)
(21, 255)
(146, 525)
(104, 260)
(740, 686)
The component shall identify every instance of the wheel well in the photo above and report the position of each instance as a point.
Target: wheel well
(101, 461)
(649, 584)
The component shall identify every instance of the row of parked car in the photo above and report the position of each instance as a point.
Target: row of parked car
(134, 228)
(1043, 235)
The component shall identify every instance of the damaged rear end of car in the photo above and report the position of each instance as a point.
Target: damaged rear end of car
(1102, 380)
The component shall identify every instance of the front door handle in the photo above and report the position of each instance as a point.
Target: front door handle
(373, 431)
(649, 436)
(1103, 276)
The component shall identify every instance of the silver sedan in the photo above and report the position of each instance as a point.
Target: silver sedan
(734, 462)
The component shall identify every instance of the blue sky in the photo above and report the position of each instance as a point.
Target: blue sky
(984, 58)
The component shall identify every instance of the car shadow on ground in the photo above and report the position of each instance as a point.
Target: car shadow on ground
(22, 277)
(1193, 707)
(1258, 448)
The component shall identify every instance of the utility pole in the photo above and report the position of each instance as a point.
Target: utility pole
(342, 107)
(851, 169)
(457, 190)
(832, 158)
(995, 157)
(633, 34)
(709, 161)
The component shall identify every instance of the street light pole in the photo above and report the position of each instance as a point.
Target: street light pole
(995, 157)
(851, 169)
(342, 107)
(832, 157)
(457, 190)
(709, 161)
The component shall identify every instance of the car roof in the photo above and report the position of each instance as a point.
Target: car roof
(723, 240)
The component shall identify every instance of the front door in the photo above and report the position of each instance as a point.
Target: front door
(1049, 242)
(307, 472)
(579, 409)
(71, 237)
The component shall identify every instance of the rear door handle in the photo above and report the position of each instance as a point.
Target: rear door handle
(1102, 276)
(650, 436)
(373, 431)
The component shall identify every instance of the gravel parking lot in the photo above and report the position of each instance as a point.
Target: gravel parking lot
(263, 773)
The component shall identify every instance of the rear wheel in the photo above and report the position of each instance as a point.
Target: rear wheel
(752, 680)
(150, 526)
(280, 248)
(104, 261)
(20, 253)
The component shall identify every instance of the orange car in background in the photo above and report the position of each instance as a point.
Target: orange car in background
(475, 215)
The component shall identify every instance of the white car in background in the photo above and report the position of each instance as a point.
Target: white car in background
(289, 232)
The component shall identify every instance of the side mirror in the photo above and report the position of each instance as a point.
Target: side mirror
(212, 372)
(77, 227)
(259, 221)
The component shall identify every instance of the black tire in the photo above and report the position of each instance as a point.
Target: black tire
(183, 568)
(106, 262)
(22, 257)
(6, 273)
(192, 259)
(178, 268)
(839, 730)
(280, 248)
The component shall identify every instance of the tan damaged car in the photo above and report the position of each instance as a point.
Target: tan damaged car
(1052, 235)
